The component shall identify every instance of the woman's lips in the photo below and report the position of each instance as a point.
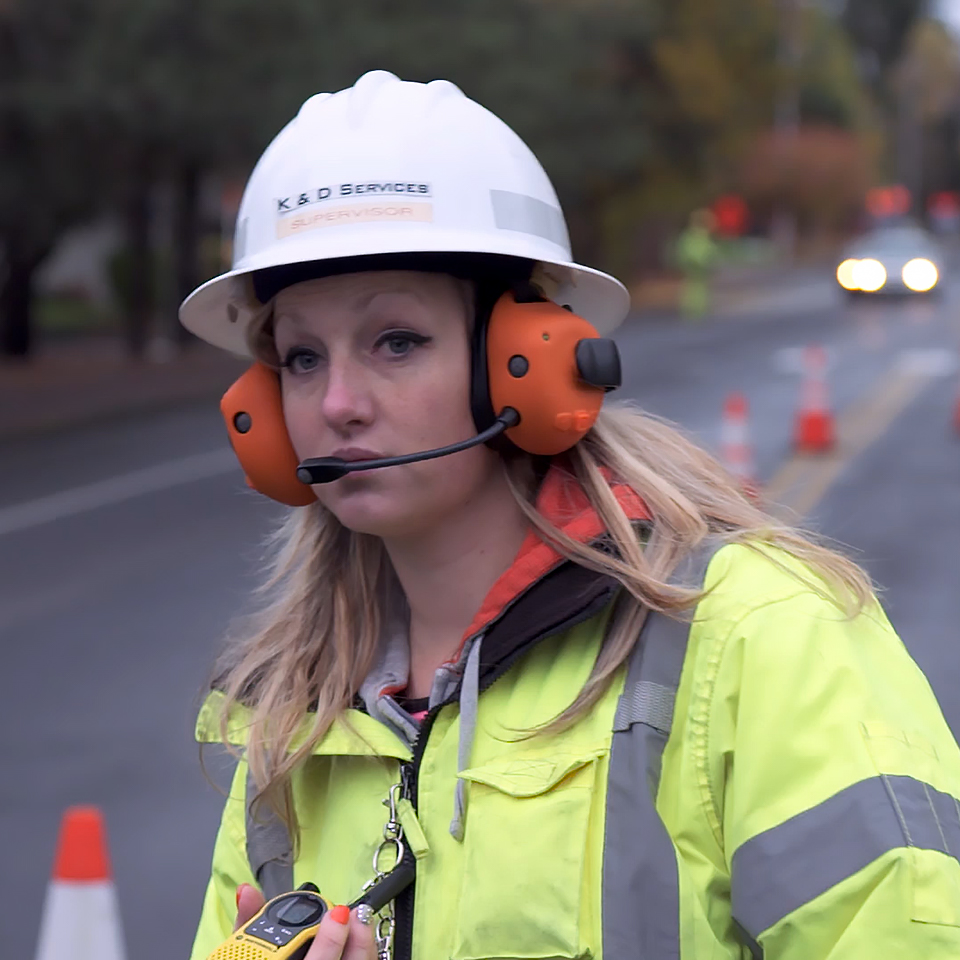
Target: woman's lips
(355, 453)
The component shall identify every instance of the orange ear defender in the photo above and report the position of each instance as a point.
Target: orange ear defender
(253, 412)
(545, 362)
(552, 367)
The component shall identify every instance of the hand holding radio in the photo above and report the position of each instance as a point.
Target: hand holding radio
(250, 901)
(325, 934)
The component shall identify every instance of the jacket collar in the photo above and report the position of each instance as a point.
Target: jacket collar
(540, 595)
(564, 503)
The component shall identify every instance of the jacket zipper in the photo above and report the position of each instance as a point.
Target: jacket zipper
(403, 905)
(409, 779)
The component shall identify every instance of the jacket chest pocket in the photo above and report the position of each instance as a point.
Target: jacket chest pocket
(525, 845)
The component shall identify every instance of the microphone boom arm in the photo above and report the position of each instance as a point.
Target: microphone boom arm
(328, 469)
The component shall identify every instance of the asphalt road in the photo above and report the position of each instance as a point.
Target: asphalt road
(118, 579)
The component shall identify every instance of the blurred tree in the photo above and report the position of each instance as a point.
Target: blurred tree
(926, 84)
(714, 79)
(931, 53)
(879, 29)
(53, 165)
(831, 90)
(188, 95)
(821, 174)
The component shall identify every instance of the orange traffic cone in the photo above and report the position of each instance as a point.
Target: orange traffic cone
(80, 917)
(736, 449)
(814, 429)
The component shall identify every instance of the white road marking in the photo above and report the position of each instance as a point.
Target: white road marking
(162, 476)
(930, 362)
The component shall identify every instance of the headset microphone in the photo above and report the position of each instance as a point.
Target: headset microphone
(328, 469)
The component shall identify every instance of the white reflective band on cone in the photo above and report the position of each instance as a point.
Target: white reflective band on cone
(80, 921)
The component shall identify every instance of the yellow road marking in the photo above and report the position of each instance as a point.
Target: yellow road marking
(802, 481)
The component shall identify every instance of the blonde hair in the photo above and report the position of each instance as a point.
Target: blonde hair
(308, 650)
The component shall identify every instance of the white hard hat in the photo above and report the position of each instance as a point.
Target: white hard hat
(388, 166)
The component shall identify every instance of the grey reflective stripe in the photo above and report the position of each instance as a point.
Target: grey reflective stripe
(796, 861)
(641, 897)
(269, 851)
(646, 702)
(525, 214)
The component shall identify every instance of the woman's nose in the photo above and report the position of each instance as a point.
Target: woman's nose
(346, 400)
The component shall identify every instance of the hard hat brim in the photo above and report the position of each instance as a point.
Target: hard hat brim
(221, 310)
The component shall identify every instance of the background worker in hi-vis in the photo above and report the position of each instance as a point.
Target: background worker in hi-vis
(598, 701)
(696, 255)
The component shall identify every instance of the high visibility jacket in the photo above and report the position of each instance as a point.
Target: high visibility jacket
(696, 251)
(768, 779)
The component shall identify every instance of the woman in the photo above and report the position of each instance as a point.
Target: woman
(601, 702)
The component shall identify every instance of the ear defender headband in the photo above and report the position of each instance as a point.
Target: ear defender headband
(531, 355)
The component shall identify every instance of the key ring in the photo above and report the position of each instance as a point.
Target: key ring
(392, 839)
(394, 842)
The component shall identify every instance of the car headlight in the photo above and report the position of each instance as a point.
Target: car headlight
(869, 275)
(845, 274)
(920, 275)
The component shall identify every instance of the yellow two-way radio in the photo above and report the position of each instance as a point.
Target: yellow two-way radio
(286, 925)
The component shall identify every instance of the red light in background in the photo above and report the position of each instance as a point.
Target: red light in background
(946, 203)
(732, 215)
(892, 201)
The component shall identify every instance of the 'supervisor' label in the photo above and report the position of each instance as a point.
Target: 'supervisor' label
(382, 211)
(339, 191)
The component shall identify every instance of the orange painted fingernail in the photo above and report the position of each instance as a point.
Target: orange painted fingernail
(340, 914)
(239, 891)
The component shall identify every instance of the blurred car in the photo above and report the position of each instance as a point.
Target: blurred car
(891, 260)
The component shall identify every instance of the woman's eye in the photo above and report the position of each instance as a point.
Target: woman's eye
(300, 360)
(400, 344)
